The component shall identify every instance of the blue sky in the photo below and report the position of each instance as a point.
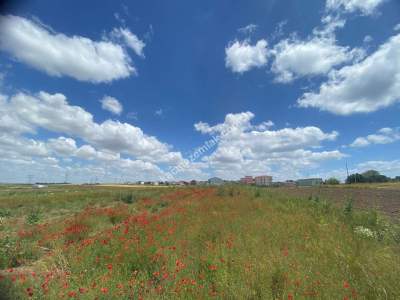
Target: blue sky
(129, 90)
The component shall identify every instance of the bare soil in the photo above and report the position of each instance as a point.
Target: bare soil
(385, 200)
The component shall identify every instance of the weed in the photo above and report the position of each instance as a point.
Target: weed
(33, 217)
(348, 208)
(277, 284)
(128, 198)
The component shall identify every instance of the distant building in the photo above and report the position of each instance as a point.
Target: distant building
(290, 183)
(215, 181)
(247, 180)
(263, 180)
(39, 186)
(309, 182)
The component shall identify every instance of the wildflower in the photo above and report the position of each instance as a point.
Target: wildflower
(346, 285)
(104, 290)
(120, 286)
(29, 290)
(72, 294)
(364, 231)
(110, 267)
(82, 290)
(212, 267)
(290, 296)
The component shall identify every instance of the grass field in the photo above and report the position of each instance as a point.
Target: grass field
(227, 242)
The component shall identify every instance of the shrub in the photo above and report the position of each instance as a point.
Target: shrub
(332, 181)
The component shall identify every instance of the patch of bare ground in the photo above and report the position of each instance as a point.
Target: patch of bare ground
(385, 200)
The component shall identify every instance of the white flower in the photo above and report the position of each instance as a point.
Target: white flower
(364, 231)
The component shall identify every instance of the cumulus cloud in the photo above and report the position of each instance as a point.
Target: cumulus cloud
(294, 58)
(244, 147)
(365, 7)
(52, 112)
(63, 146)
(363, 87)
(84, 148)
(387, 167)
(60, 55)
(383, 136)
(241, 56)
(111, 104)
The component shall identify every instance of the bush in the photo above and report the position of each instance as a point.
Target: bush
(332, 181)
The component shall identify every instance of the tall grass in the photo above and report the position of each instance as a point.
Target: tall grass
(228, 243)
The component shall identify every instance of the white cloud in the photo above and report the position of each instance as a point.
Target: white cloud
(241, 57)
(54, 113)
(131, 40)
(111, 104)
(254, 149)
(383, 136)
(365, 7)
(60, 55)
(159, 112)
(368, 39)
(63, 146)
(397, 27)
(296, 58)
(363, 87)
(249, 29)
(386, 167)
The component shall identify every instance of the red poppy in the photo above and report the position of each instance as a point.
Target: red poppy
(212, 267)
(346, 285)
(72, 294)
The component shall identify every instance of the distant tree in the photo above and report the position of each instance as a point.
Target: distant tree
(368, 176)
(374, 176)
(370, 173)
(332, 181)
(397, 178)
(355, 178)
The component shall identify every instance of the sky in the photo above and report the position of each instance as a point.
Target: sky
(117, 91)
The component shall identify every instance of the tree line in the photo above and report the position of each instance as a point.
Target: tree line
(370, 176)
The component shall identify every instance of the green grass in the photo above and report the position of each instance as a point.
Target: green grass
(194, 243)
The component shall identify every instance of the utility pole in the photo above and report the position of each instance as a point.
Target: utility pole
(30, 177)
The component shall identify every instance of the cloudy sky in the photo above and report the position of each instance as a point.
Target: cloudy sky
(155, 90)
